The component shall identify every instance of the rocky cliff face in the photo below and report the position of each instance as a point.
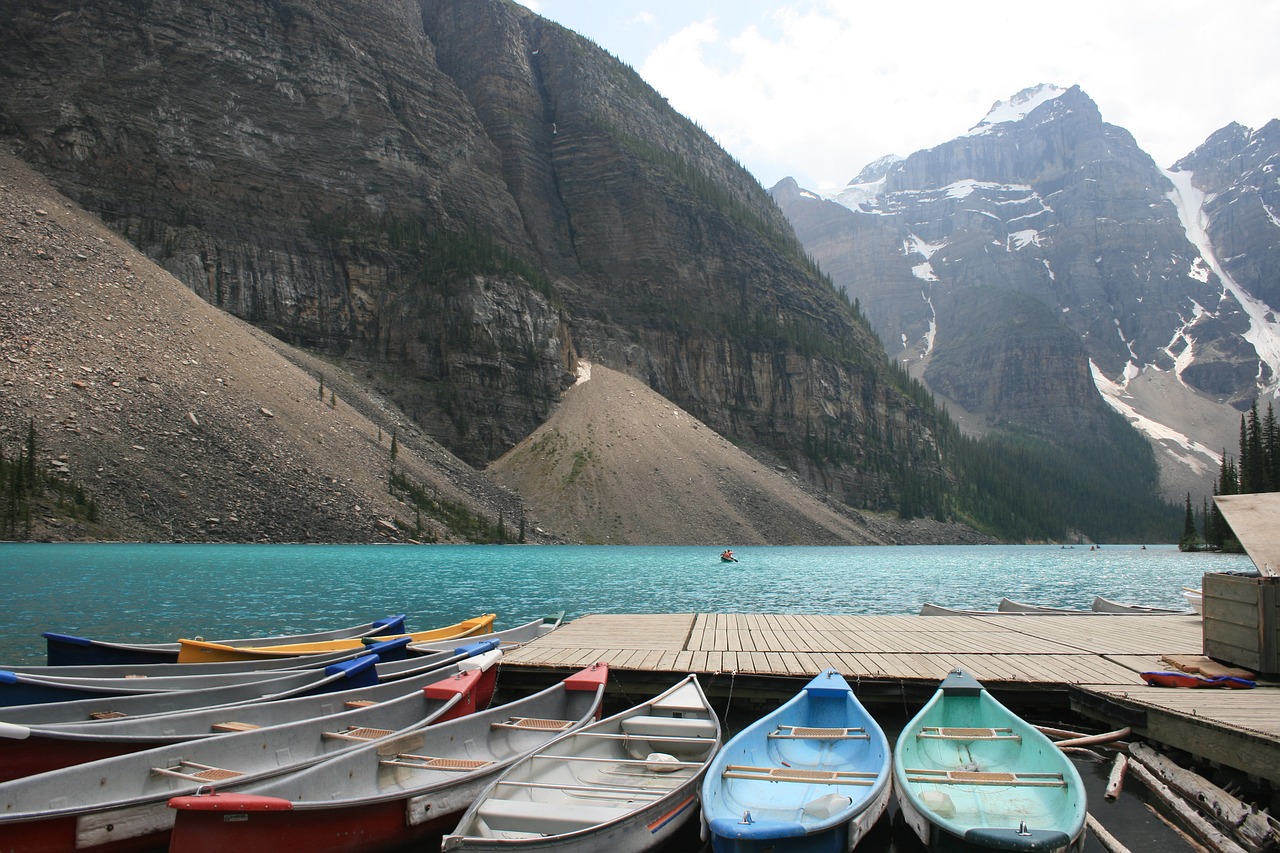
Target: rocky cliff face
(1238, 170)
(462, 197)
(1075, 225)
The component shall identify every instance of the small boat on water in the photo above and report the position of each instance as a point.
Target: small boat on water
(389, 795)
(1106, 605)
(37, 748)
(1008, 605)
(929, 609)
(970, 774)
(200, 650)
(1195, 598)
(813, 775)
(508, 638)
(118, 804)
(621, 785)
(70, 650)
(358, 672)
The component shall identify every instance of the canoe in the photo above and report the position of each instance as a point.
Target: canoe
(1106, 605)
(971, 775)
(29, 749)
(387, 797)
(1195, 598)
(624, 784)
(21, 688)
(928, 609)
(508, 638)
(70, 650)
(170, 668)
(1010, 606)
(120, 804)
(201, 650)
(812, 775)
(358, 672)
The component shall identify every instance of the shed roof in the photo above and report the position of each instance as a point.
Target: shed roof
(1255, 519)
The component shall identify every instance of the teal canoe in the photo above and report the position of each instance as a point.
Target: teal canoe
(812, 775)
(972, 775)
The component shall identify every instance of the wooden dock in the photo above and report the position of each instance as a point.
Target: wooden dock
(1091, 662)
(1033, 650)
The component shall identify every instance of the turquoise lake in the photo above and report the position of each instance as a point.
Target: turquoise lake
(160, 592)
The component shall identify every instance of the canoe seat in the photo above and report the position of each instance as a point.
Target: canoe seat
(792, 774)
(193, 772)
(106, 715)
(971, 777)
(359, 703)
(952, 733)
(358, 733)
(813, 733)
(534, 723)
(232, 726)
(668, 728)
(427, 762)
(534, 818)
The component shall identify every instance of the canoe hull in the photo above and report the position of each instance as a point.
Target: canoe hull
(70, 650)
(367, 828)
(625, 784)
(971, 775)
(813, 776)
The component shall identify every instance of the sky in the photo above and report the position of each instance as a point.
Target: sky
(816, 89)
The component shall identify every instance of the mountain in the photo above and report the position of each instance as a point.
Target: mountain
(453, 202)
(180, 422)
(1041, 272)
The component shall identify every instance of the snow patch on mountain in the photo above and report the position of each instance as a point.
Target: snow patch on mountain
(1016, 108)
(1264, 332)
(1201, 459)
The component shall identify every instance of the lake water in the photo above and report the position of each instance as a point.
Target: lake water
(160, 592)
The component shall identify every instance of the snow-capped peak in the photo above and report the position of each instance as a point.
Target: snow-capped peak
(1017, 107)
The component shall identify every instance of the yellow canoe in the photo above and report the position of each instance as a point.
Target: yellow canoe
(197, 651)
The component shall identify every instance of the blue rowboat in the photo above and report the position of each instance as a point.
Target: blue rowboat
(811, 776)
(972, 775)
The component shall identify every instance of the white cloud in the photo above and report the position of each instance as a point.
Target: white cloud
(819, 89)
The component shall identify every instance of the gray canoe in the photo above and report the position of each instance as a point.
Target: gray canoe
(624, 784)
(122, 801)
(289, 683)
(29, 749)
(386, 796)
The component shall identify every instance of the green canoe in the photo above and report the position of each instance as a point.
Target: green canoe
(971, 775)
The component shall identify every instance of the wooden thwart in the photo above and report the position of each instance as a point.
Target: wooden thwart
(791, 774)
(814, 733)
(971, 777)
(232, 726)
(953, 733)
(427, 762)
(535, 724)
(204, 773)
(358, 733)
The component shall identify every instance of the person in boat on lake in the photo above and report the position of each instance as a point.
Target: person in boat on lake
(727, 556)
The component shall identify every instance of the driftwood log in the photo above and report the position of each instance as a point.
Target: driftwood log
(1115, 782)
(1202, 828)
(1254, 830)
(1105, 838)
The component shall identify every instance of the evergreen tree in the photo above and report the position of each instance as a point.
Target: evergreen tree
(1253, 464)
(1188, 540)
(1271, 450)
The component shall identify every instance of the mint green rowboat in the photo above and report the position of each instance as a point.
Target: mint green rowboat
(971, 775)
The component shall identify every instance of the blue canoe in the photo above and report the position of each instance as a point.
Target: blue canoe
(811, 776)
(71, 650)
(972, 775)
